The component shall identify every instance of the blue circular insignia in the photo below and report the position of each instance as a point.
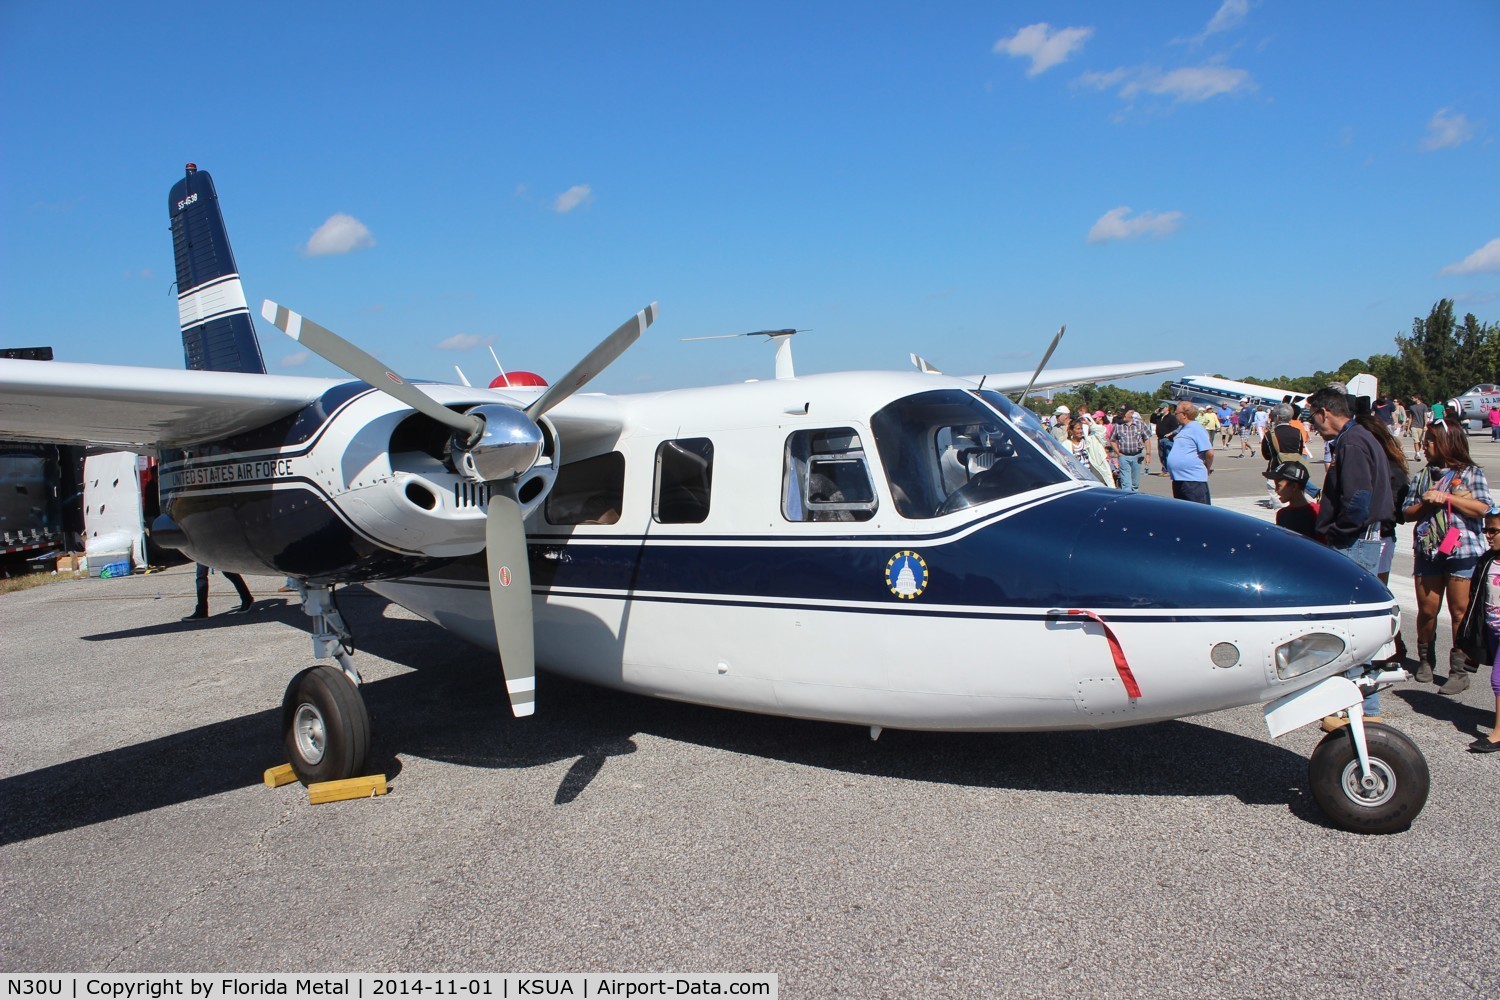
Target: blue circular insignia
(906, 575)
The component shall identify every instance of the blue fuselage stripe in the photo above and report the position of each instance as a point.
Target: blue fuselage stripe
(1140, 557)
(903, 609)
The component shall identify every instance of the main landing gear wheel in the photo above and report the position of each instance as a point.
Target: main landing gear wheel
(1393, 796)
(326, 728)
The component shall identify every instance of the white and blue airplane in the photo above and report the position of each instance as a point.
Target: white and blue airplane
(885, 549)
(1222, 391)
(1227, 392)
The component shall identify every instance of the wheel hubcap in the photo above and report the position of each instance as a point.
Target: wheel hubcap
(1381, 787)
(310, 733)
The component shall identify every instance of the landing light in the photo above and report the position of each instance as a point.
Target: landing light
(1307, 652)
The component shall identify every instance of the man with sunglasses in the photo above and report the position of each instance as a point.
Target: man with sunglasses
(1356, 496)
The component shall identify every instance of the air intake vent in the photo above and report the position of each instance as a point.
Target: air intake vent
(467, 494)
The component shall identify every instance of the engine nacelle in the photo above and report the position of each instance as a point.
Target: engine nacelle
(355, 487)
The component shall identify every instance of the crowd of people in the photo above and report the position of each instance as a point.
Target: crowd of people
(1369, 486)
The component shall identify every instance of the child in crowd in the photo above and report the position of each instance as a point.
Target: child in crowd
(1300, 514)
(1479, 632)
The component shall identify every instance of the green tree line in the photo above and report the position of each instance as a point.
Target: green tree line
(1439, 359)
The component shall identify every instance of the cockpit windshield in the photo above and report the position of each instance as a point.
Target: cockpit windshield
(946, 449)
(1031, 425)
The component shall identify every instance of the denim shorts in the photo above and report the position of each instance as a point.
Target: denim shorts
(1463, 568)
(1387, 555)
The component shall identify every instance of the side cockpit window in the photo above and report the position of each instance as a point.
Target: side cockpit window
(684, 479)
(589, 491)
(826, 477)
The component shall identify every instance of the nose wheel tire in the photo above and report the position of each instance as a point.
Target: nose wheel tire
(1388, 800)
(325, 727)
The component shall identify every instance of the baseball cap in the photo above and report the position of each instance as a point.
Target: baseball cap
(1294, 472)
(1062, 409)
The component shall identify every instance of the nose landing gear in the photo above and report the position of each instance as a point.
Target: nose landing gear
(1383, 798)
(1366, 776)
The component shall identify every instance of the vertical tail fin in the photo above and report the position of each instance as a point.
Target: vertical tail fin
(217, 331)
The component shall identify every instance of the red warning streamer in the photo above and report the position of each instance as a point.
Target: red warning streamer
(1121, 667)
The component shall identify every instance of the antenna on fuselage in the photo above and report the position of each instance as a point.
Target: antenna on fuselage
(1045, 358)
(781, 338)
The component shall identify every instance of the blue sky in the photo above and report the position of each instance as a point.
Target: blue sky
(1254, 187)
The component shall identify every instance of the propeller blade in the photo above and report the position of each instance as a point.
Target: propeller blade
(357, 362)
(510, 595)
(594, 362)
(1045, 358)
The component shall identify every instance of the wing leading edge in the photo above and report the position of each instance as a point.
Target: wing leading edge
(142, 408)
(1061, 378)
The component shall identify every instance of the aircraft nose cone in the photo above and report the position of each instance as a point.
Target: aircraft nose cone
(1173, 554)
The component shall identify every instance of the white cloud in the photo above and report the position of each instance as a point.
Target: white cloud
(578, 194)
(1103, 81)
(1190, 84)
(1043, 46)
(340, 234)
(1445, 131)
(1486, 258)
(1478, 298)
(1116, 224)
(464, 342)
(296, 360)
(1229, 15)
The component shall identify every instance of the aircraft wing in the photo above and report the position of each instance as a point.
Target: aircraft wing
(1061, 378)
(142, 408)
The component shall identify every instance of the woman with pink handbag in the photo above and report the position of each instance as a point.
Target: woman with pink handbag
(1447, 502)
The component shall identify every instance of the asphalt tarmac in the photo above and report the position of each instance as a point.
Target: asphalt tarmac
(614, 833)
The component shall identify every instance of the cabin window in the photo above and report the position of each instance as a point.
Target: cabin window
(946, 450)
(684, 479)
(589, 491)
(826, 477)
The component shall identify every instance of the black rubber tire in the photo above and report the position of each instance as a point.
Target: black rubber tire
(1398, 765)
(324, 695)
